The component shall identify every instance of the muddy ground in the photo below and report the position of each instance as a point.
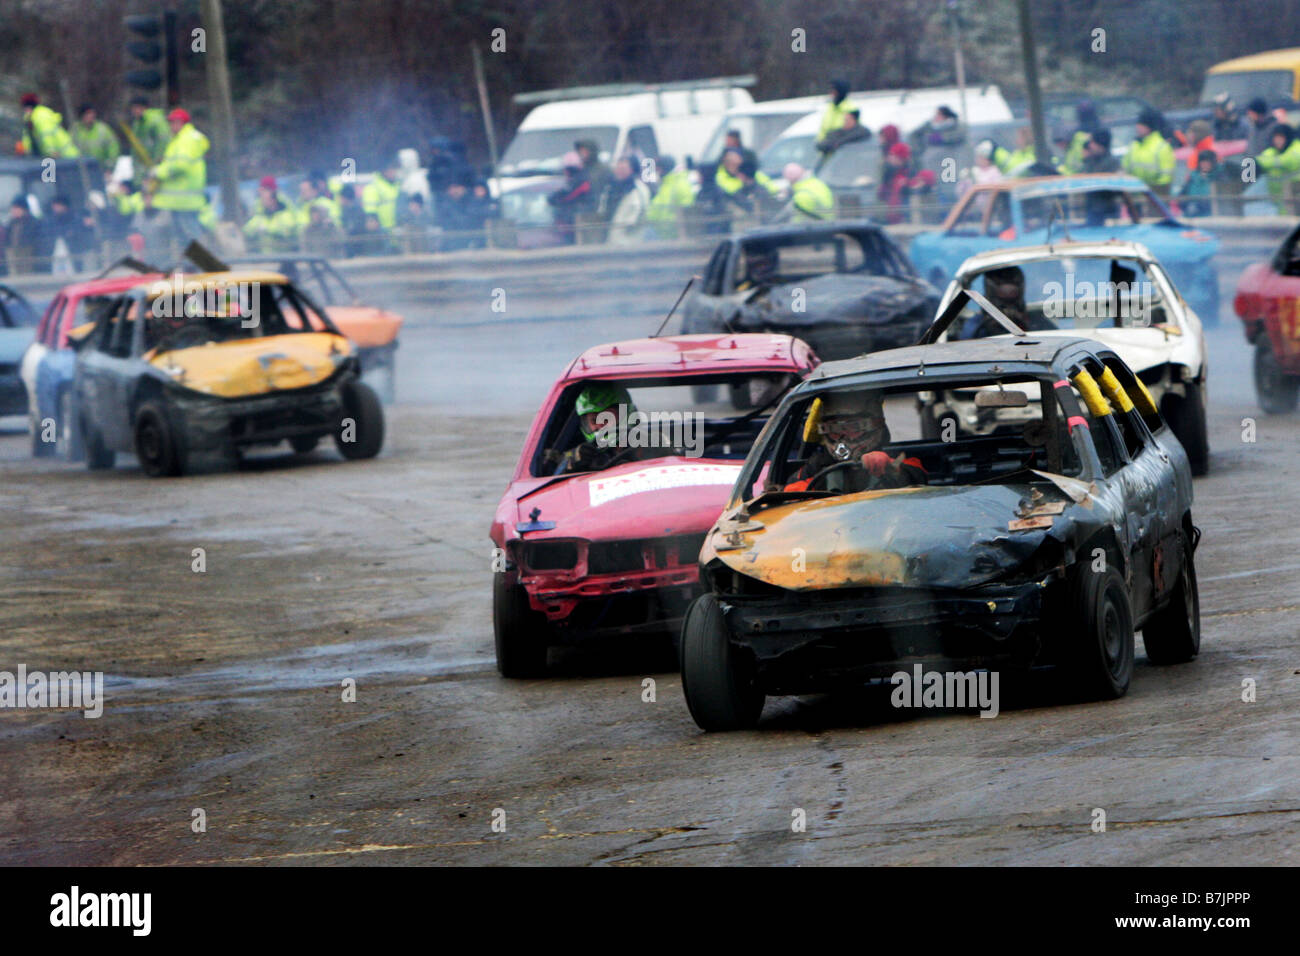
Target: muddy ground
(225, 688)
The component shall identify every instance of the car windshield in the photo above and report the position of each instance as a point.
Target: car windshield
(715, 416)
(1082, 208)
(756, 131)
(981, 429)
(537, 151)
(228, 313)
(1069, 293)
(796, 258)
(1245, 86)
(789, 149)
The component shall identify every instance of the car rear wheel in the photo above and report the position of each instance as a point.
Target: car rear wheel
(98, 455)
(361, 433)
(717, 678)
(1186, 416)
(1173, 634)
(520, 632)
(156, 443)
(1277, 391)
(1099, 630)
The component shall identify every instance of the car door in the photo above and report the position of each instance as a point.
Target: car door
(46, 339)
(102, 365)
(1280, 301)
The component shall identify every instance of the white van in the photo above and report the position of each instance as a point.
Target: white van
(673, 119)
(759, 124)
(909, 110)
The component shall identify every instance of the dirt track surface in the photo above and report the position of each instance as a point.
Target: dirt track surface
(225, 688)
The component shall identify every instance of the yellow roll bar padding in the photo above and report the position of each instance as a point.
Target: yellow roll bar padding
(813, 420)
(1145, 403)
(1092, 397)
(1115, 391)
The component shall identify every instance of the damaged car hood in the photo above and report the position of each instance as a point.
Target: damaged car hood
(661, 496)
(254, 366)
(837, 298)
(949, 537)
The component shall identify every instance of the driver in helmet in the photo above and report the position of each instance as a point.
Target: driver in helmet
(760, 267)
(601, 408)
(850, 427)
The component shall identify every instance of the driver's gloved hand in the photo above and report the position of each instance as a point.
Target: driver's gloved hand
(877, 463)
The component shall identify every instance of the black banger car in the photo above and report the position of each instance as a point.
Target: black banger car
(1048, 540)
(234, 360)
(843, 287)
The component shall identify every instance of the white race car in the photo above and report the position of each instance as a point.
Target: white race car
(1114, 292)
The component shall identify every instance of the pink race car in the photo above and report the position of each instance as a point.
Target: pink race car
(627, 465)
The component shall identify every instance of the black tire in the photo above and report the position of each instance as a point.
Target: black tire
(1186, 417)
(157, 445)
(361, 404)
(1173, 634)
(716, 678)
(520, 633)
(99, 456)
(302, 444)
(1277, 391)
(1098, 627)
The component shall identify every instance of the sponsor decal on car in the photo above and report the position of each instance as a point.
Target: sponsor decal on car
(659, 478)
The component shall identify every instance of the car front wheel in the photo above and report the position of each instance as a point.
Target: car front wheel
(716, 677)
(156, 443)
(519, 631)
(1277, 390)
(361, 432)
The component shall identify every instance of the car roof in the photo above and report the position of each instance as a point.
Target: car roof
(1102, 249)
(995, 349)
(675, 354)
(213, 280)
(1286, 59)
(806, 229)
(1030, 185)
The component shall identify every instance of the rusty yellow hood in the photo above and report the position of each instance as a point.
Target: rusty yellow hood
(954, 536)
(254, 366)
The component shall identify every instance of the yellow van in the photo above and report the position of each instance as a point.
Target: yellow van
(1274, 75)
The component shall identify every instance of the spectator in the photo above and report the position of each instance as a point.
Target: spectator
(312, 192)
(985, 171)
(733, 141)
(574, 197)
(838, 107)
(1281, 163)
(851, 132)
(273, 228)
(182, 176)
(810, 198)
(352, 220)
(1260, 123)
(937, 139)
(1074, 150)
(75, 231)
(628, 198)
(757, 193)
(94, 138)
(446, 164)
(597, 174)
(1200, 137)
(1019, 161)
(24, 238)
(889, 135)
(379, 197)
(728, 175)
(321, 236)
(895, 182)
(376, 239)
(674, 196)
(712, 207)
(1151, 158)
(1196, 192)
(462, 215)
(43, 132)
(1227, 123)
(1097, 157)
(150, 130)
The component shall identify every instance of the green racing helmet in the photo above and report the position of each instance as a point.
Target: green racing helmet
(597, 397)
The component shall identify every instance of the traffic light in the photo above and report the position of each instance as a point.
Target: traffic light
(156, 50)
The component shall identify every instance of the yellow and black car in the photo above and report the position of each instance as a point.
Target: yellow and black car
(218, 362)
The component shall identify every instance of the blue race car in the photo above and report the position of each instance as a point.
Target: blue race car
(1093, 208)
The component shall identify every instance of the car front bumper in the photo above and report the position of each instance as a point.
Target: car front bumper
(218, 424)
